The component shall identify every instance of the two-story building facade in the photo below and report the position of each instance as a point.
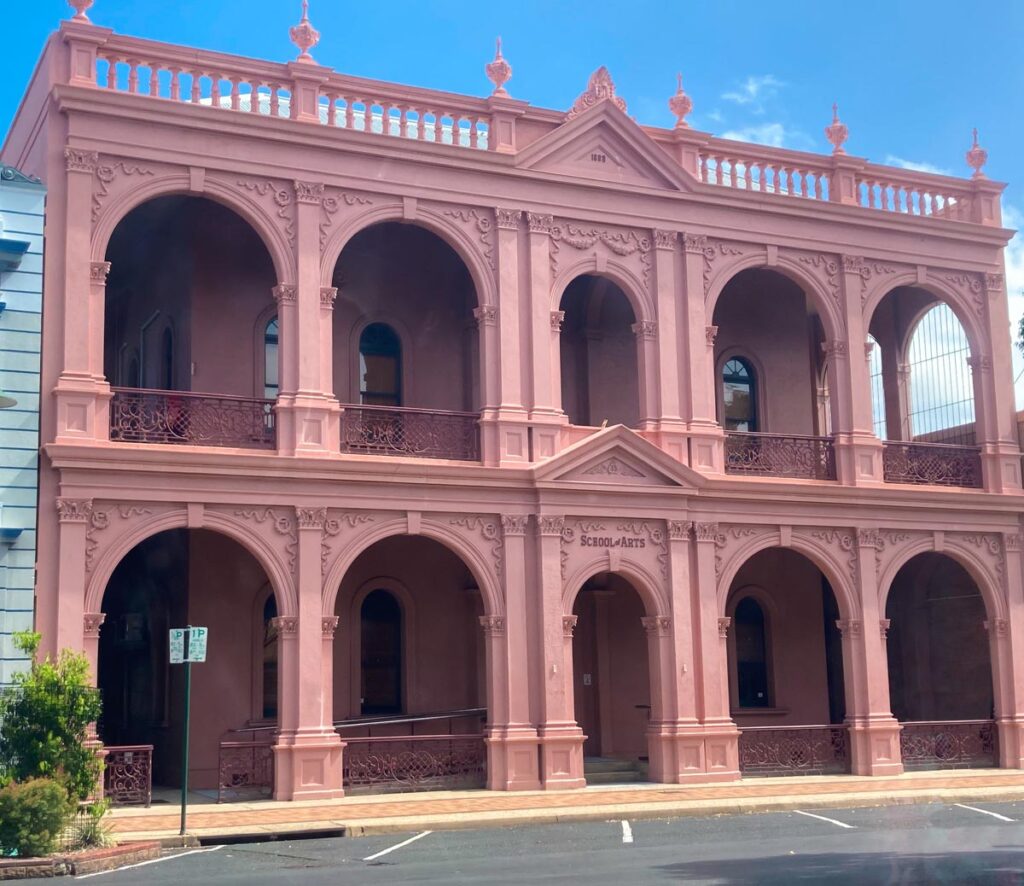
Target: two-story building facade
(488, 439)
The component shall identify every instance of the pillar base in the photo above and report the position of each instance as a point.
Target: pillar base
(875, 747)
(859, 459)
(308, 424)
(1010, 733)
(671, 437)
(504, 437)
(513, 759)
(547, 434)
(561, 757)
(1000, 467)
(707, 448)
(83, 409)
(307, 766)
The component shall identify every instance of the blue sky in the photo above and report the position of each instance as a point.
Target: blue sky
(912, 77)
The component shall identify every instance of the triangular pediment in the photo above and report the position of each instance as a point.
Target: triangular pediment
(617, 456)
(603, 144)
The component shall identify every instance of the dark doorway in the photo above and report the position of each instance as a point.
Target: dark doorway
(381, 656)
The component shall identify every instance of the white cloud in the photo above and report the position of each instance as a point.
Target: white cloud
(754, 90)
(773, 134)
(914, 165)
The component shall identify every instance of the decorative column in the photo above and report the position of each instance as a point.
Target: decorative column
(307, 412)
(328, 627)
(660, 748)
(707, 440)
(60, 616)
(546, 415)
(721, 737)
(561, 740)
(307, 754)
(91, 640)
(873, 731)
(670, 425)
(646, 332)
(1006, 644)
(82, 395)
(512, 763)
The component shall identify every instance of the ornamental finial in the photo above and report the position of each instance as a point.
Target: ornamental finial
(837, 132)
(80, 6)
(499, 71)
(977, 156)
(304, 35)
(680, 104)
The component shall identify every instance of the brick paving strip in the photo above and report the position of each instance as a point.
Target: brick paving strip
(460, 808)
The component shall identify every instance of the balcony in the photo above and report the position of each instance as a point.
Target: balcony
(934, 464)
(414, 433)
(777, 455)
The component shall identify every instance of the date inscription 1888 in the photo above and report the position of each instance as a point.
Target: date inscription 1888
(611, 541)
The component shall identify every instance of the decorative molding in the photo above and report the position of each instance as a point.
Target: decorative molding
(481, 222)
(971, 286)
(106, 174)
(91, 622)
(309, 192)
(514, 524)
(612, 467)
(826, 269)
(600, 88)
(568, 624)
(328, 625)
(726, 537)
(494, 625)
(624, 243)
(508, 219)
(100, 519)
(74, 510)
(843, 543)
(334, 524)
(280, 198)
(98, 271)
(78, 160)
(656, 625)
(486, 315)
(489, 532)
(724, 623)
(283, 524)
(331, 203)
(655, 533)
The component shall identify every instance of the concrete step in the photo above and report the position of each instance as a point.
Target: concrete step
(629, 776)
(607, 764)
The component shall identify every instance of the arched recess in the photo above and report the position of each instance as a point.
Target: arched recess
(754, 647)
(631, 285)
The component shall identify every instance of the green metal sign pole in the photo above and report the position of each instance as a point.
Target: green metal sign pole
(184, 744)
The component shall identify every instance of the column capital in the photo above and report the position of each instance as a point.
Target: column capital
(327, 296)
(569, 625)
(486, 315)
(883, 627)
(74, 510)
(285, 625)
(310, 518)
(550, 525)
(695, 244)
(309, 192)
(705, 532)
(493, 625)
(78, 160)
(540, 222)
(645, 329)
(724, 623)
(284, 293)
(710, 334)
(557, 318)
(656, 625)
(514, 524)
(508, 219)
(98, 271)
(834, 349)
(665, 239)
(849, 627)
(328, 625)
(91, 622)
(678, 530)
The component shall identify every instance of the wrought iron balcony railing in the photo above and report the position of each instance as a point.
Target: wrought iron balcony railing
(777, 455)
(949, 744)
(418, 433)
(794, 750)
(149, 416)
(935, 464)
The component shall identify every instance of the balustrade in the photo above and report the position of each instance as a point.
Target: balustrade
(245, 765)
(766, 171)
(794, 750)
(774, 455)
(951, 744)
(419, 433)
(415, 762)
(936, 464)
(924, 194)
(128, 775)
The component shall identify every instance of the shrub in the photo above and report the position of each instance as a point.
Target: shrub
(43, 720)
(32, 815)
(89, 829)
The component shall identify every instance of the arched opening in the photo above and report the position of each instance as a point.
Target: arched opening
(410, 690)
(787, 689)
(611, 679)
(185, 274)
(772, 379)
(406, 355)
(173, 579)
(598, 354)
(926, 390)
(877, 382)
(940, 666)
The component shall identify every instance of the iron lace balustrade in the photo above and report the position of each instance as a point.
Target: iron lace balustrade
(778, 455)
(245, 765)
(950, 744)
(415, 762)
(128, 775)
(935, 464)
(151, 416)
(417, 433)
(794, 750)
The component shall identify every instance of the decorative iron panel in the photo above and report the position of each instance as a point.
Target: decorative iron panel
(144, 416)
(953, 744)
(415, 762)
(774, 455)
(128, 775)
(420, 433)
(246, 769)
(794, 750)
(935, 464)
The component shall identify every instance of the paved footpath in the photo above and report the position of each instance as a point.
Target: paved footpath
(382, 814)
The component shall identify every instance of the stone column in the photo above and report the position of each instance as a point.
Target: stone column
(561, 740)
(307, 754)
(61, 616)
(660, 727)
(307, 412)
(670, 425)
(1006, 644)
(646, 332)
(328, 627)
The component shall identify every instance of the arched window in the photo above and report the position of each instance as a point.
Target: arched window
(380, 366)
(269, 647)
(751, 655)
(381, 653)
(877, 387)
(270, 378)
(167, 361)
(739, 396)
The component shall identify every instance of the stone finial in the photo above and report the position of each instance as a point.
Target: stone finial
(599, 88)
(977, 157)
(80, 6)
(304, 35)
(499, 71)
(680, 104)
(837, 132)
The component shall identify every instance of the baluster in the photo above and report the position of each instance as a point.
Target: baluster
(275, 100)
(817, 186)
(421, 125)
(748, 175)
(196, 95)
(926, 202)
(403, 121)
(332, 111)
(133, 76)
(111, 71)
(236, 95)
(154, 81)
(350, 114)
(704, 168)
(214, 90)
(871, 194)
(175, 84)
(732, 172)
(474, 132)
(368, 115)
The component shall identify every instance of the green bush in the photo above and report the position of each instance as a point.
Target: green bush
(32, 816)
(43, 720)
(90, 829)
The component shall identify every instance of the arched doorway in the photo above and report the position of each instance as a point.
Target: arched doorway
(611, 679)
(170, 580)
(410, 670)
(787, 689)
(940, 666)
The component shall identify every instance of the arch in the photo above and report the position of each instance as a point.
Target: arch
(638, 576)
(277, 573)
(466, 249)
(631, 285)
(490, 590)
(823, 559)
(968, 558)
(178, 184)
(826, 305)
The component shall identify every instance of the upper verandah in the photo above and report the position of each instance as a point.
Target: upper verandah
(308, 93)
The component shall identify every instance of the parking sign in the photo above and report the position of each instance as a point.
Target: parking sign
(197, 644)
(177, 645)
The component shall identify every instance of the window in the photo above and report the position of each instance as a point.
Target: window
(381, 654)
(877, 388)
(751, 655)
(270, 647)
(739, 398)
(380, 366)
(270, 378)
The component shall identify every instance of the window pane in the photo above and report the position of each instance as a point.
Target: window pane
(380, 366)
(270, 346)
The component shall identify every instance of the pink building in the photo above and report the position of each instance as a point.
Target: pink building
(491, 440)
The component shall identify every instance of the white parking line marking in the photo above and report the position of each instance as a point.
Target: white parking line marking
(841, 824)
(627, 832)
(983, 812)
(142, 864)
(397, 846)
